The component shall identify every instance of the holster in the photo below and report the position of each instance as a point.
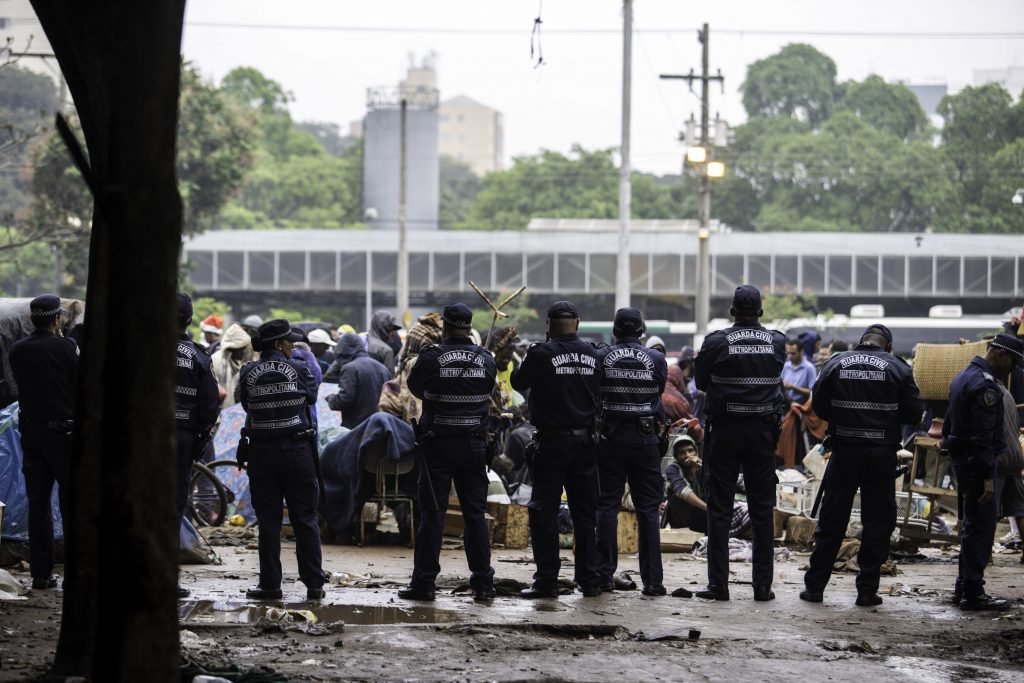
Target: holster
(315, 454)
(491, 446)
(242, 450)
(645, 425)
(598, 432)
(530, 452)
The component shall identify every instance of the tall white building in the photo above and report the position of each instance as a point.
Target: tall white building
(472, 133)
(1011, 78)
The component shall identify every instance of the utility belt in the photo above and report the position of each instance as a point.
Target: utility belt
(546, 433)
(304, 435)
(646, 425)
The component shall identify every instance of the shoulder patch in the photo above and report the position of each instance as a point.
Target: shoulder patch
(988, 376)
(989, 397)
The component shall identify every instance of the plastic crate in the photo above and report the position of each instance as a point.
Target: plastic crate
(796, 497)
(918, 507)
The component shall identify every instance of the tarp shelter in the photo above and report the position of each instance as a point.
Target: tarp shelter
(225, 445)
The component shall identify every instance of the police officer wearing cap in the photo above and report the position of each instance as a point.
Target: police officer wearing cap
(561, 376)
(739, 370)
(632, 378)
(865, 395)
(45, 366)
(973, 434)
(196, 406)
(454, 380)
(278, 394)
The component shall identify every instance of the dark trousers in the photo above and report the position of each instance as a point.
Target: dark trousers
(730, 445)
(46, 460)
(183, 473)
(286, 470)
(628, 456)
(977, 528)
(873, 471)
(567, 462)
(461, 459)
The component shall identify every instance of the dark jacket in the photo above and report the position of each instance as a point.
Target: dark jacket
(454, 380)
(359, 382)
(563, 383)
(45, 367)
(277, 394)
(866, 394)
(378, 340)
(196, 398)
(973, 427)
(739, 369)
(632, 380)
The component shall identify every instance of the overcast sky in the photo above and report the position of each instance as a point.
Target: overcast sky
(328, 52)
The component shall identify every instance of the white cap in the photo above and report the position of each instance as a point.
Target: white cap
(319, 337)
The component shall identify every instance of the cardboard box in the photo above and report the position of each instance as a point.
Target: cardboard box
(511, 525)
(628, 532)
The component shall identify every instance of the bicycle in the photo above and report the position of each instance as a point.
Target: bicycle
(208, 498)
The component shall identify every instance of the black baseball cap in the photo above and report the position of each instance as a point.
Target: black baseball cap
(275, 330)
(879, 329)
(747, 299)
(184, 303)
(1011, 344)
(629, 322)
(563, 309)
(45, 306)
(457, 315)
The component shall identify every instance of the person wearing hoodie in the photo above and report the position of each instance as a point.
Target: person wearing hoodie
(359, 382)
(378, 339)
(234, 352)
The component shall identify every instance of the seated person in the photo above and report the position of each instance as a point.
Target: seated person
(685, 508)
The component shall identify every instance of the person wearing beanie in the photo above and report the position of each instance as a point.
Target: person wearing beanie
(865, 395)
(561, 376)
(212, 328)
(738, 368)
(45, 365)
(196, 406)
(454, 380)
(632, 380)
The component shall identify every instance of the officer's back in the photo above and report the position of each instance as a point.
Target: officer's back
(632, 375)
(867, 394)
(277, 391)
(44, 366)
(561, 377)
(739, 367)
(454, 380)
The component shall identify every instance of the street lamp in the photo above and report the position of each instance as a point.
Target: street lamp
(1018, 197)
(696, 155)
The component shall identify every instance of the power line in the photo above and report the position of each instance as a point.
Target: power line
(493, 30)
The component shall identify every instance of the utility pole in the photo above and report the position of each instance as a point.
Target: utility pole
(402, 272)
(622, 279)
(702, 305)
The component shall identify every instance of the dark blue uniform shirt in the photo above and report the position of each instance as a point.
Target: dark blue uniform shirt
(973, 427)
(454, 380)
(277, 394)
(632, 380)
(739, 369)
(196, 399)
(866, 394)
(45, 367)
(561, 375)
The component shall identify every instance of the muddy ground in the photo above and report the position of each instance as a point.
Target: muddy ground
(363, 632)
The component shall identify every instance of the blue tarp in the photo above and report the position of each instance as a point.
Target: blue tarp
(12, 482)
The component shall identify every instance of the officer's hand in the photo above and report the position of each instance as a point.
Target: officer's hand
(988, 491)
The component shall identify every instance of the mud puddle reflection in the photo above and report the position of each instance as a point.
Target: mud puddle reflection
(228, 613)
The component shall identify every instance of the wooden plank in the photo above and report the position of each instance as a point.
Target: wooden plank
(628, 532)
(678, 540)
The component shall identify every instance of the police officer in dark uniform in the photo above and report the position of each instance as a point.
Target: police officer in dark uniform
(973, 434)
(454, 380)
(632, 379)
(45, 366)
(739, 369)
(278, 394)
(196, 406)
(865, 395)
(561, 376)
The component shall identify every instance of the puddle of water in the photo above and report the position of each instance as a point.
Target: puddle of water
(200, 612)
(922, 670)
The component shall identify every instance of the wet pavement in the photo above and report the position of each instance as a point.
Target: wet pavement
(363, 631)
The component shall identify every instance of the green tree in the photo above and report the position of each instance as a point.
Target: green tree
(553, 185)
(215, 149)
(978, 122)
(798, 82)
(996, 213)
(459, 187)
(886, 107)
(27, 103)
